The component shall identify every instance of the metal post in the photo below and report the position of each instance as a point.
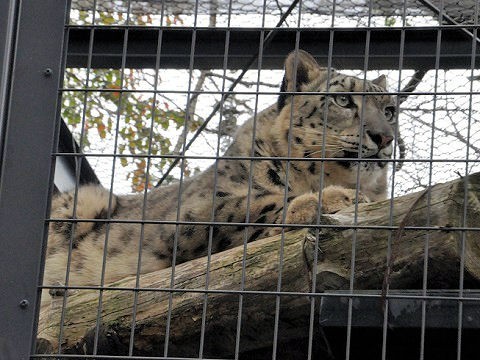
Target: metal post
(29, 114)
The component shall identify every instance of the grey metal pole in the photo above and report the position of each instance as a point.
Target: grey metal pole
(34, 43)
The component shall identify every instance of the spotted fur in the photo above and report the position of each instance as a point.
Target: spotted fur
(305, 126)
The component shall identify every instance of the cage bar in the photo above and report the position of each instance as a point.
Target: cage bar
(29, 127)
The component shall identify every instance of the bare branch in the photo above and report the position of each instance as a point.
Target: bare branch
(402, 149)
(192, 105)
(412, 84)
(243, 82)
(454, 134)
(410, 87)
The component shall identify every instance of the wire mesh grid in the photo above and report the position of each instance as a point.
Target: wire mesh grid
(160, 261)
(462, 11)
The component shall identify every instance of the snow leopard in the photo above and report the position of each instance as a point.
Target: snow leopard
(322, 147)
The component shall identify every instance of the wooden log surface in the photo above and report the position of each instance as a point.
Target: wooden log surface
(442, 209)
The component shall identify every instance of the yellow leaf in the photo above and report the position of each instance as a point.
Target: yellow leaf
(101, 131)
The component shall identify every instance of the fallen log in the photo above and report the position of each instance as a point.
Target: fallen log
(268, 300)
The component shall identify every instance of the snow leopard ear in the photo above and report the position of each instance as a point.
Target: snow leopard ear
(381, 81)
(300, 70)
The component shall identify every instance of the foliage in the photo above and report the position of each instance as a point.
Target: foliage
(135, 123)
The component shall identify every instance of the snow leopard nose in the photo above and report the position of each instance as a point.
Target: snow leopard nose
(381, 140)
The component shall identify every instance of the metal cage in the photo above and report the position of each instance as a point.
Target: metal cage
(134, 95)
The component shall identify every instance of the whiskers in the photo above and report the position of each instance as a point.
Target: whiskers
(330, 148)
(317, 132)
(328, 151)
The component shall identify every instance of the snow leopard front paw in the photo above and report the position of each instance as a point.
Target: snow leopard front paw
(336, 198)
(302, 209)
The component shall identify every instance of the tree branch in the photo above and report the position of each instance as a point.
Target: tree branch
(410, 87)
(415, 80)
(257, 280)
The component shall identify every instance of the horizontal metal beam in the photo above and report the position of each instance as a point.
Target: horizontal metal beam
(405, 309)
(419, 48)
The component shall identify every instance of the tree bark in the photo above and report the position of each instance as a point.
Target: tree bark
(281, 263)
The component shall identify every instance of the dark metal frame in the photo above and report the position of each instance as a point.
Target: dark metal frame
(419, 47)
(32, 52)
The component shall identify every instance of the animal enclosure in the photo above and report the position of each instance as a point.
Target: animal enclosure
(166, 105)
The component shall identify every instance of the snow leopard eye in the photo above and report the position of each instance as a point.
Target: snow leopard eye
(390, 113)
(344, 100)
